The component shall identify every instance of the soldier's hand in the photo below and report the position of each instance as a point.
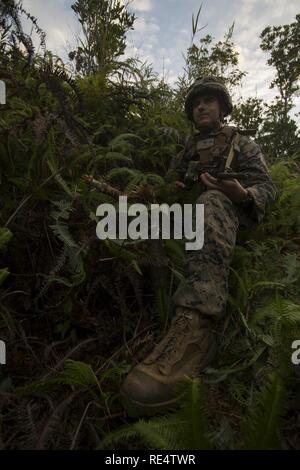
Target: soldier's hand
(231, 188)
(179, 184)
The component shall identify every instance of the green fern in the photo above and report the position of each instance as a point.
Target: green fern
(59, 179)
(61, 216)
(64, 209)
(160, 433)
(184, 429)
(264, 419)
(61, 231)
(125, 177)
(157, 433)
(4, 273)
(114, 156)
(278, 308)
(187, 428)
(5, 237)
(76, 373)
(122, 142)
(194, 415)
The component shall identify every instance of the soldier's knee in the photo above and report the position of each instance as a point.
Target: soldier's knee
(212, 195)
(218, 209)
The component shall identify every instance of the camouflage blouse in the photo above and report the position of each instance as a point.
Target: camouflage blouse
(248, 160)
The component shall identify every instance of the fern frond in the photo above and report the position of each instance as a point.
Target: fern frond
(126, 177)
(180, 430)
(59, 178)
(64, 210)
(122, 141)
(263, 422)
(4, 273)
(30, 425)
(5, 237)
(114, 156)
(122, 434)
(280, 309)
(76, 373)
(157, 433)
(61, 231)
(193, 413)
(52, 423)
(160, 433)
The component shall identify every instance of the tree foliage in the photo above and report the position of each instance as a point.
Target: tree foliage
(282, 43)
(104, 25)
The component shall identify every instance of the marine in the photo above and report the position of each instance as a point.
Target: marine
(190, 344)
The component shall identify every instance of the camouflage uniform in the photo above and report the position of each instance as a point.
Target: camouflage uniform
(190, 343)
(205, 288)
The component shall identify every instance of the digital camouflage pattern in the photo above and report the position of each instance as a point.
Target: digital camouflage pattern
(248, 161)
(206, 285)
(200, 300)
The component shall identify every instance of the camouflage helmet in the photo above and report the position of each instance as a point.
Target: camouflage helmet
(208, 84)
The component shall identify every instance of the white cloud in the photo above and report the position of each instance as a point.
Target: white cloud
(58, 22)
(162, 38)
(143, 41)
(142, 5)
(145, 27)
(251, 17)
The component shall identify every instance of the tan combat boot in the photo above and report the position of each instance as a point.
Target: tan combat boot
(188, 347)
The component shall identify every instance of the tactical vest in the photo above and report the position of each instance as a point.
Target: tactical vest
(206, 150)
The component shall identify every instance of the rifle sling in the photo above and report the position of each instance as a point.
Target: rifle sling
(235, 141)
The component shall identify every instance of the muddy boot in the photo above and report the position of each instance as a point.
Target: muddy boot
(188, 347)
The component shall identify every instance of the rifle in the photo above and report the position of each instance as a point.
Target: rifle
(216, 169)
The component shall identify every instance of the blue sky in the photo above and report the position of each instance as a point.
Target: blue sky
(163, 32)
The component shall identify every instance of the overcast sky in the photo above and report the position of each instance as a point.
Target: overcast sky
(163, 32)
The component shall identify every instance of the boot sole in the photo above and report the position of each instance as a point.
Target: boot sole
(136, 409)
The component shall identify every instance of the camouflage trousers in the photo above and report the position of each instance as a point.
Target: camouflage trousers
(206, 285)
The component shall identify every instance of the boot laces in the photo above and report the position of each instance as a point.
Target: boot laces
(179, 329)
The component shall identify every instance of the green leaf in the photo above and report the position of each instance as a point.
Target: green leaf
(264, 419)
(76, 373)
(5, 237)
(136, 267)
(3, 275)
(194, 415)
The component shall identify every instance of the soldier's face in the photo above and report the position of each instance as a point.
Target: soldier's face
(206, 111)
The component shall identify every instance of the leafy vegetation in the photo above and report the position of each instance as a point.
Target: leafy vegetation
(76, 312)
